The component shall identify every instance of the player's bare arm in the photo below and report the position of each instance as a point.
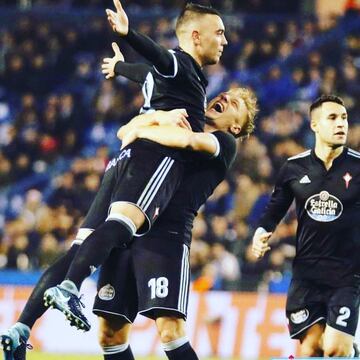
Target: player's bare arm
(176, 117)
(175, 137)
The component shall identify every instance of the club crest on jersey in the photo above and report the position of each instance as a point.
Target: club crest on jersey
(107, 292)
(347, 178)
(299, 316)
(324, 207)
(156, 212)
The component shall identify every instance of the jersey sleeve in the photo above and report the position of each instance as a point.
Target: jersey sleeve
(280, 200)
(136, 72)
(164, 61)
(226, 148)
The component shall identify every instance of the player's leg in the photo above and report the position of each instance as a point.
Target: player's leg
(134, 199)
(163, 278)
(118, 230)
(173, 338)
(306, 314)
(143, 181)
(311, 341)
(337, 343)
(14, 339)
(341, 323)
(114, 338)
(116, 305)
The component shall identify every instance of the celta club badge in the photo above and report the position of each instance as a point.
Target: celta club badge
(347, 178)
(157, 212)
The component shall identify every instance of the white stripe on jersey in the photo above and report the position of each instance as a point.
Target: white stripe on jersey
(154, 184)
(217, 151)
(184, 281)
(165, 161)
(301, 155)
(354, 153)
(187, 284)
(158, 184)
(176, 66)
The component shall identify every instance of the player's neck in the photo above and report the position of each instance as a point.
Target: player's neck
(191, 51)
(327, 154)
(209, 128)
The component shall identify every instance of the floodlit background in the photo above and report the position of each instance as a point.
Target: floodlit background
(58, 118)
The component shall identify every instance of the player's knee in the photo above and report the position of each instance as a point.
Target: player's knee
(128, 210)
(310, 349)
(337, 350)
(167, 335)
(111, 334)
(170, 329)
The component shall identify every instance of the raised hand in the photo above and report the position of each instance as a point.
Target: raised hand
(118, 20)
(108, 65)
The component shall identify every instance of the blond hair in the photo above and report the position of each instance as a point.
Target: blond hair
(250, 100)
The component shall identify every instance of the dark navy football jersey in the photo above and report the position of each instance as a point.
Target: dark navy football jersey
(328, 214)
(200, 180)
(185, 88)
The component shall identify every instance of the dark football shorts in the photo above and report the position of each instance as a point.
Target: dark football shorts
(309, 303)
(151, 277)
(141, 175)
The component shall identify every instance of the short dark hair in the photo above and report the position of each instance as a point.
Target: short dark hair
(325, 98)
(192, 9)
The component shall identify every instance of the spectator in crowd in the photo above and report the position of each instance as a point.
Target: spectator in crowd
(56, 114)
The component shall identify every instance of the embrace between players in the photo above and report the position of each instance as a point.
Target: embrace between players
(139, 224)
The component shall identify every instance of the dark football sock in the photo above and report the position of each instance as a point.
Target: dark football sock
(179, 349)
(34, 307)
(97, 248)
(117, 352)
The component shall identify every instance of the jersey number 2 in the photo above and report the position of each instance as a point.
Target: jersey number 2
(344, 315)
(159, 287)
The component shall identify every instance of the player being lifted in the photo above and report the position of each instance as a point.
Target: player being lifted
(152, 173)
(166, 244)
(323, 300)
(175, 82)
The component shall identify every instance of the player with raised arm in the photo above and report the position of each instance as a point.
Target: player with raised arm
(176, 79)
(14, 340)
(151, 173)
(323, 299)
(225, 106)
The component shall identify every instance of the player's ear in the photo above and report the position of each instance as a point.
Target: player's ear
(195, 35)
(313, 124)
(235, 129)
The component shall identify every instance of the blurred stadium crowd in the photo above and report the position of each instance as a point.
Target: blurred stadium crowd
(58, 118)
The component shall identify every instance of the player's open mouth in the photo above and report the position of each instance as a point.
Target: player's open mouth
(218, 107)
(340, 133)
